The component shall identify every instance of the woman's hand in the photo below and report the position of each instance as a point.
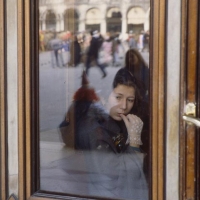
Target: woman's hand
(134, 127)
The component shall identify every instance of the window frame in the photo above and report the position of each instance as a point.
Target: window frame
(28, 103)
(3, 114)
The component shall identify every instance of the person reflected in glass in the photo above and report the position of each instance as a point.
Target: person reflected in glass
(56, 45)
(83, 115)
(93, 52)
(136, 64)
(75, 51)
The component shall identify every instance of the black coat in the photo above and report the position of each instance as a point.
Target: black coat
(94, 47)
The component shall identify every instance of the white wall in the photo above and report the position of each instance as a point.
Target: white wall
(12, 96)
(173, 77)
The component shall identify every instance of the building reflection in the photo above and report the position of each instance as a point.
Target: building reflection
(105, 16)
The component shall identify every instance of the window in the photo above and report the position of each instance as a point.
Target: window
(54, 77)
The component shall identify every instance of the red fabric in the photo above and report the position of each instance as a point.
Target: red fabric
(85, 94)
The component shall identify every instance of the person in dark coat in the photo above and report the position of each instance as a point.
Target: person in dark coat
(93, 52)
(84, 111)
(75, 51)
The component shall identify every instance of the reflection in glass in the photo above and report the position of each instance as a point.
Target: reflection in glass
(89, 145)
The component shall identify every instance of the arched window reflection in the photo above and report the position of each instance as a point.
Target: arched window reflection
(93, 19)
(113, 20)
(50, 20)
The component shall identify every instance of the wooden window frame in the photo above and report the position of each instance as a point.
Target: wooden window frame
(3, 138)
(189, 137)
(28, 100)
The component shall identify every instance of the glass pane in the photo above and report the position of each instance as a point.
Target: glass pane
(94, 98)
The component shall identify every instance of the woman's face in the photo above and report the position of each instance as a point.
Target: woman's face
(133, 58)
(121, 101)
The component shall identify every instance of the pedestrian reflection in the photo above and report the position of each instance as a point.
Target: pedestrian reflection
(56, 45)
(75, 51)
(93, 52)
(83, 116)
(136, 64)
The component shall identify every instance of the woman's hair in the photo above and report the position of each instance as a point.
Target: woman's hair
(129, 60)
(125, 77)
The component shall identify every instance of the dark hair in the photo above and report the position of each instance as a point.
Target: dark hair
(125, 77)
(129, 63)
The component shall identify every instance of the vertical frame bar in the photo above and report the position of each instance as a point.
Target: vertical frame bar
(27, 97)
(189, 94)
(21, 98)
(157, 61)
(3, 136)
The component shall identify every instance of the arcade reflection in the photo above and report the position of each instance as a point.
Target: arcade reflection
(94, 98)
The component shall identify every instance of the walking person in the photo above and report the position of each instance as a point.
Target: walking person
(146, 42)
(132, 42)
(93, 52)
(56, 46)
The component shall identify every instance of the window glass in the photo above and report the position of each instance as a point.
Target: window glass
(94, 98)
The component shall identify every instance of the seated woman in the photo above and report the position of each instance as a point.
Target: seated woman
(117, 161)
(112, 161)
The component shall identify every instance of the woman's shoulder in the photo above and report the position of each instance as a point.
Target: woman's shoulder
(96, 109)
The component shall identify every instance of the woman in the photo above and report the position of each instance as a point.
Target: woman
(110, 163)
(116, 163)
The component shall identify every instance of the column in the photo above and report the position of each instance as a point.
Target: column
(81, 26)
(43, 22)
(124, 26)
(62, 27)
(103, 26)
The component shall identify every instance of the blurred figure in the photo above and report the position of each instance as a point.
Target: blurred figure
(75, 51)
(140, 41)
(116, 50)
(105, 52)
(41, 38)
(93, 52)
(132, 41)
(136, 64)
(85, 111)
(146, 41)
(56, 46)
